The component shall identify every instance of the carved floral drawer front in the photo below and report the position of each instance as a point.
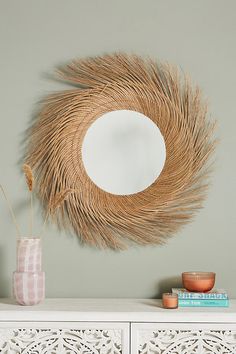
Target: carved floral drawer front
(85, 339)
(181, 339)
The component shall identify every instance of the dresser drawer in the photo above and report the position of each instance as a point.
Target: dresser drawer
(64, 338)
(179, 338)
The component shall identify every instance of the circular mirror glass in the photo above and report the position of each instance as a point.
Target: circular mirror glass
(123, 152)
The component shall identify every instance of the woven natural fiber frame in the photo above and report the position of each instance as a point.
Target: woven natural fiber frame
(118, 82)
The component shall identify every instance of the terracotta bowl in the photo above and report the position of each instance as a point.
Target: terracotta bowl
(198, 281)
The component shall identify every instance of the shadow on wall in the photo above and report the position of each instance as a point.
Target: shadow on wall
(4, 281)
(165, 286)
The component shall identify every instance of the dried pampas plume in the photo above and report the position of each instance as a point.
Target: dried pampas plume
(118, 82)
(28, 176)
(55, 203)
(59, 198)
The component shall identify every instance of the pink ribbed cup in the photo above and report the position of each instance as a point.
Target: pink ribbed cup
(29, 280)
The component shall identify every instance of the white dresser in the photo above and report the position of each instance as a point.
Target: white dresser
(115, 326)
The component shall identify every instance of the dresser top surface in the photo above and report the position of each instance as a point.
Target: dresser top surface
(113, 310)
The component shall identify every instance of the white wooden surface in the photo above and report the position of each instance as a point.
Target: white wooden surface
(114, 310)
(115, 326)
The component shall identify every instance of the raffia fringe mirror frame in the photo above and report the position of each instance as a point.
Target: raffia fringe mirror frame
(123, 82)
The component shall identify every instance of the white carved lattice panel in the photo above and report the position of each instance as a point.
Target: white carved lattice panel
(60, 341)
(174, 341)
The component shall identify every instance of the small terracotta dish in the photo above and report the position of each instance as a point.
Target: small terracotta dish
(198, 281)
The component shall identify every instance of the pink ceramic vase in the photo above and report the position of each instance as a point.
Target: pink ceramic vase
(28, 279)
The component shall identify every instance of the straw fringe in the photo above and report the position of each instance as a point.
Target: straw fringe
(116, 82)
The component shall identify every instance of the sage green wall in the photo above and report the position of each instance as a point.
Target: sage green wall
(199, 36)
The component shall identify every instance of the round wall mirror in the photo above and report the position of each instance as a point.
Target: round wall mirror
(123, 152)
(95, 149)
